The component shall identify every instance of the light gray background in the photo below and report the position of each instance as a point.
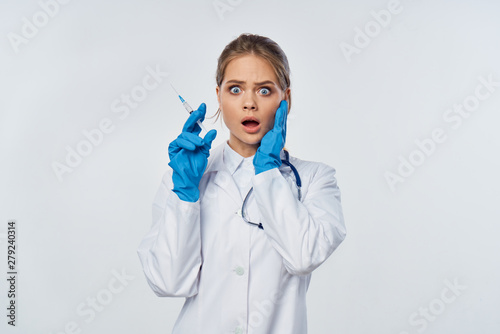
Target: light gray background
(403, 245)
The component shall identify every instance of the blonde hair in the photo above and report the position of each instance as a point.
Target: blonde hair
(259, 46)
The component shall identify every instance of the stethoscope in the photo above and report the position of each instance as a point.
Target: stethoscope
(297, 182)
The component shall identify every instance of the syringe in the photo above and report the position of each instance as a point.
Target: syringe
(188, 107)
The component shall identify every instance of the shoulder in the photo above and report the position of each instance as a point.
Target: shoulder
(317, 178)
(312, 168)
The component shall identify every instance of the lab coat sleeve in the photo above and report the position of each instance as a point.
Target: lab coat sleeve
(304, 233)
(170, 252)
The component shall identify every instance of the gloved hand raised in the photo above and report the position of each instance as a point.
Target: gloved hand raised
(268, 154)
(189, 156)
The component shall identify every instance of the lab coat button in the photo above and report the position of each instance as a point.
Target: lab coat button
(238, 330)
(239, 271)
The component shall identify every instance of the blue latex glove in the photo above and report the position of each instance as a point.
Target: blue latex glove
(268, 154)
(189, 156)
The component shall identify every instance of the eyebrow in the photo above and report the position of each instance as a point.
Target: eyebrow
(239, 82)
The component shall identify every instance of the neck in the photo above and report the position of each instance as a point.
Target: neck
(244, 150)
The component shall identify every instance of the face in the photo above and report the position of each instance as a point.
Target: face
(248, 99)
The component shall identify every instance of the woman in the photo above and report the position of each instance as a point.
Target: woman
(232, 230)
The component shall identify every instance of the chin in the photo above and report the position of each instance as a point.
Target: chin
(253, 141)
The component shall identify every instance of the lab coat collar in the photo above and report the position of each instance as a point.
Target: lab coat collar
(233, 160)
(216, 161)
(223, 176)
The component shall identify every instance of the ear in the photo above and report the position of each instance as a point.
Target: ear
(217, 91)
(287, 97)
(287, 94)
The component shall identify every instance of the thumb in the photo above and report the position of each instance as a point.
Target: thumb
(191, 123)
(209, 137)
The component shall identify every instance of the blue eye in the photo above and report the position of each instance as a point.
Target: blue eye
(235, 90)
(265, 91)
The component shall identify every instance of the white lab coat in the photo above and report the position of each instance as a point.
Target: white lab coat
(236, 277)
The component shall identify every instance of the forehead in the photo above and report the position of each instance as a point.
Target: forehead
(250, 68)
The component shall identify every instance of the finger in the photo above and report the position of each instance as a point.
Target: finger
(285, 121)
(185, 144)
(281, 116)
(173, 149)
(209, 137)
(189, 141)
(186, 140)
(191, 125)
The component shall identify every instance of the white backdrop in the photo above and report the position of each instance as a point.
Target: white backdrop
(401, 97)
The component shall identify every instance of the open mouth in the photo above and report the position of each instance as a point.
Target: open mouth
(251, 125)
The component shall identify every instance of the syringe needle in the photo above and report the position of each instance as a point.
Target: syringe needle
(188, 107)
(175, 90)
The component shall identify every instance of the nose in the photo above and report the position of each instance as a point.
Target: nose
(249, 102)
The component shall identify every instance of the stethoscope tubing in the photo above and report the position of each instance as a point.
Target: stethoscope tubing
(298, 182)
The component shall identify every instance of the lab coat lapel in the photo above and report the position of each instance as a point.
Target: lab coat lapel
(223, 179)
